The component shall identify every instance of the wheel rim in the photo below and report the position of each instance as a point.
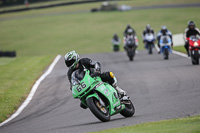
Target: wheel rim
(100, 107)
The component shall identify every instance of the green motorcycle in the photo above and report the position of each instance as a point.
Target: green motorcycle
(100, 97)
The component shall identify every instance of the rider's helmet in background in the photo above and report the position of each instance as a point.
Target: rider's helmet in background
(164, 30)
(115, 37)
(128, 26)
(130, 31)
(191, 25)
(71, 59)
(148, 28)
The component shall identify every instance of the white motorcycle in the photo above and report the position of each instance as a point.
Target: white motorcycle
(149, 40)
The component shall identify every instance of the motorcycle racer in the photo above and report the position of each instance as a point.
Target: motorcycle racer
(164, 31)
(147, 30)
(73, 62)
(191, 30)
(130, 34)
(116, 42)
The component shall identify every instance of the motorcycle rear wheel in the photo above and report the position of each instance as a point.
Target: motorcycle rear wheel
(129, 110)
(101, 112)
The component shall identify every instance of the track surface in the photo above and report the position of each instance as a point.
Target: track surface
(160, 89)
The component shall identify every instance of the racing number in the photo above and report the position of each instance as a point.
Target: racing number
(81, 87)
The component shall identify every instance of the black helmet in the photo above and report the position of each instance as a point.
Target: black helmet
(128, 26)
(191, 24)
(115, 37)
(71, 59)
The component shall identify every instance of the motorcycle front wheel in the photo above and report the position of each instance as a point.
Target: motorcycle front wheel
(166, 54)
(101, 112)
(131, 54)
(195, 57)
(150, 49)
(129, 110)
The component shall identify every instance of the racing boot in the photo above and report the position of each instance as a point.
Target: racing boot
(121, 93)
(187, 48)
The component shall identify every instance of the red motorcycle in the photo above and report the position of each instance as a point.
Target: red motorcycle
(194, 47)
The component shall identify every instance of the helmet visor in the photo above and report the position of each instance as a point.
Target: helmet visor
(70, 62)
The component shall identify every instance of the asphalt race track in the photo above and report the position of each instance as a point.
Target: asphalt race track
(160, 89)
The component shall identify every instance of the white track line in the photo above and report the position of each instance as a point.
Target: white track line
(33, 90)
(181, 54)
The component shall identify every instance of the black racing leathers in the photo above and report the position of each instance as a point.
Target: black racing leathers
(145, 32)
(90, 65)
(191, 32)
(126, 31)
(188, 33)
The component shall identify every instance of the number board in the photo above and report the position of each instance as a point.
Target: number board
(81, 87)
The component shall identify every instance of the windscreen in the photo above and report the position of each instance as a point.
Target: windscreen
(194, 38)
(165, 39)
(77, 76)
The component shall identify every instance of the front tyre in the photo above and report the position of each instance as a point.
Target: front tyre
(150, 49)
(129, 110)
(130, 58)
(196, 57)
(101, 112)
(130, 54)
(166, 54)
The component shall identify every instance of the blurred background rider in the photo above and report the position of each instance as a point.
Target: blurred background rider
(191, 30)
(116, 42)
(148, 29)
(164, 32)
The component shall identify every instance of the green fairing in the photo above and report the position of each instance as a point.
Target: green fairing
(93, 87)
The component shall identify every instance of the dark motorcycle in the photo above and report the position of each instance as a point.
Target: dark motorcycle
(194, 47)
(130, 47)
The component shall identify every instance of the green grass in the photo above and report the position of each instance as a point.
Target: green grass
(86, 32)
(180, 49)
(38, 38)
(17, 75)
(182, 125)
